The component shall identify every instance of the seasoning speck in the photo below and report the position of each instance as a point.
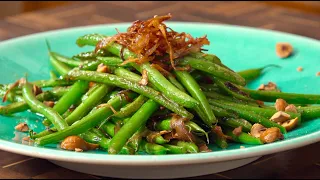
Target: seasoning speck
(242, 147)
(318, 73)
(299, 69)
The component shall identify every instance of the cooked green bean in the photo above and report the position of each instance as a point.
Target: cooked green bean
(154, 149)
(39, 107)
(234, 123)
(66, 60)
(193, 88)
(250, 116)
(103, 142)
(53, 75)
(53, 83)
(224, 86)
(108, 127)
(129, 128)
(131, 108)
(214, 69)
(172, 149)
(308, 113)
(272, 96)
(190, 146)
(135, 141)
(154, 75)
(220, 112)
(75, 93)
(244, 138)
(155, 137)
(23, 106)
(126, 84)
(219, 141)
(163, 85)
(111, 61)
(174, 81)
(91, 120)
(61, 68)
(265, 112)
(252, 74)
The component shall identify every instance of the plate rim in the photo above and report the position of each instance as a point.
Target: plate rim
(142, 160)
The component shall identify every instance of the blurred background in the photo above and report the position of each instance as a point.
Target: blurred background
(18, 18)
(8, 8)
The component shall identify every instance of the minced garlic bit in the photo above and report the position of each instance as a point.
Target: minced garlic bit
(299, 69)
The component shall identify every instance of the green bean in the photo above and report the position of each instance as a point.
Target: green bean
(308, 113)
(122, 72)
(215, 95)
(210, 88)
(131, 108)
(91, 120)
(98, 132)
(91, 55)
(220, 112)
(66, 60)
(214, 69)
(219, 141)
(190, 146)
(108, 127)
(77, 90)
(224, 86)
(103, 142)
(111, 61)
(23, 106)
(193, 88)
(176, 83)
(172, 149)
(165, 125)
(265, 112)
(154, 75)
(61, 68)
(87, 105)
(209, 57)
(135, 141)
(272, 96)
(244, 138)
(39, 107)
(53, 75)
(250, 116)
(156, 137)
(53, 83)
(89, 39)
(126, 84)
(154, 149)
(196, 129)
(252, 74)
(163, 85)
(234, 123)
(129, 128)
(90, 66)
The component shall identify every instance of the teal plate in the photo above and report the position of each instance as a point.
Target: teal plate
(238, 47)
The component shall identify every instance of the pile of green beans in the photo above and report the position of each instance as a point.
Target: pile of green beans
(173, 113)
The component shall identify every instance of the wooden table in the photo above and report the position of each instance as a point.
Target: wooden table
(298, 163)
